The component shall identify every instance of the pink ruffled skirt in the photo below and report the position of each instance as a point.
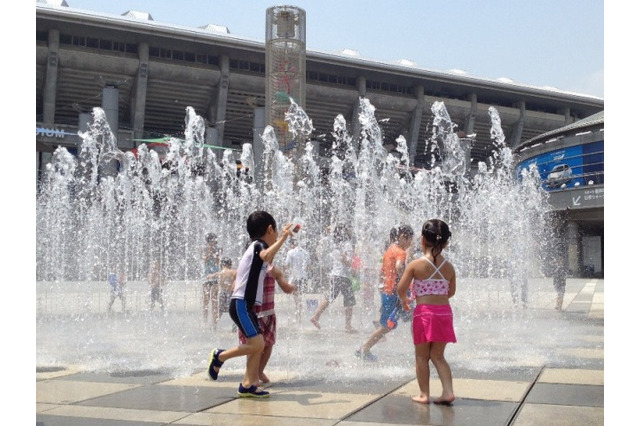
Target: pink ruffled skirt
(433, 323)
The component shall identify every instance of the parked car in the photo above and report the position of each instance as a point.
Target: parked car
(559, 175)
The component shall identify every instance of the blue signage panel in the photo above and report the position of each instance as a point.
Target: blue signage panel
(593, 162)
(569, 167)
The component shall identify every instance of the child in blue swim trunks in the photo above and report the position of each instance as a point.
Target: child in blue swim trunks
(247, 293)
(393, 264)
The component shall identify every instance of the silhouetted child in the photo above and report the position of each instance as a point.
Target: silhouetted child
(157, 283)
(225, 279)
(117, 290)
(341, 257)
(211, 286)
(248, 292)
(297, 264)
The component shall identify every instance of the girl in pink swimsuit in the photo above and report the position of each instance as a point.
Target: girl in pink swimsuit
(434, 283)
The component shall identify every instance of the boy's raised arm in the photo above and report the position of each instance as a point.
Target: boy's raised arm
(270, 253)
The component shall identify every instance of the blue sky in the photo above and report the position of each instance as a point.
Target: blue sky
(556, 43)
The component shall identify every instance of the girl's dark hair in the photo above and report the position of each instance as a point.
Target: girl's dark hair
(210, 237)
(436, 233)
(226, 262)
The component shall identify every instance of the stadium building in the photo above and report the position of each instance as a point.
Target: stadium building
(144, 74)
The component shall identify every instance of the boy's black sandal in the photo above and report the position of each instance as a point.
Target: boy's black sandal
(251, 392)
(214, 361)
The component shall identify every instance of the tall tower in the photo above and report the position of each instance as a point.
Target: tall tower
(285, 70)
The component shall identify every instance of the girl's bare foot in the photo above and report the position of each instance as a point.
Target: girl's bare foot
(422, 399)
(445, 400)
(315, 322)
(264, 379)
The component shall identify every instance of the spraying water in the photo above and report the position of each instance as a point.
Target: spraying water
(108, 211)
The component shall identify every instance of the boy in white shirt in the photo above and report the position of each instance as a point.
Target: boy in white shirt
(296, 266)
(248, 292)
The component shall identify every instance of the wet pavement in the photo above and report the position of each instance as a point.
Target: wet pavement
(524, 387)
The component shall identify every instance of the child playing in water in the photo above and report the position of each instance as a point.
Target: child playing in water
(434, 283)
(211, 285)
(248, 292)
(117, 290)
(341, 257)
(225, 278)
(157, 282)
(267, 316)
(296, 265)
(393, 263)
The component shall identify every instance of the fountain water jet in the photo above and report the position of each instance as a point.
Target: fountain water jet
(109, 211)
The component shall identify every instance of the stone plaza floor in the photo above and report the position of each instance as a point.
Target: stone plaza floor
(317, 380)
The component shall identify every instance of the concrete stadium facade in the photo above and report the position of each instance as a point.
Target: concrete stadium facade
(144, 74)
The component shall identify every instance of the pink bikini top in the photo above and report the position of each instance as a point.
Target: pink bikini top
(432, 286)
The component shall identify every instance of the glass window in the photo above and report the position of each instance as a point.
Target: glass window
(106, 45)
(93, 42)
